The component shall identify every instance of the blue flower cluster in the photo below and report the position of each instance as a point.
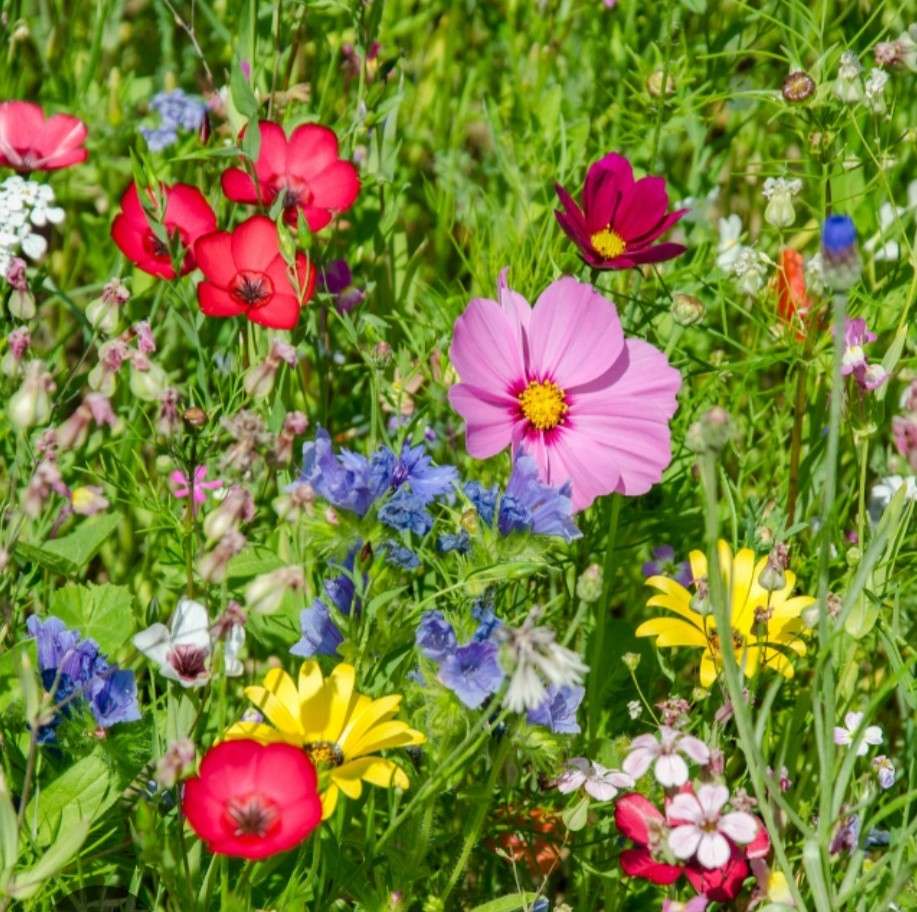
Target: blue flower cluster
(473, 672)
(177, 111)
(320, 635)
(72, 667)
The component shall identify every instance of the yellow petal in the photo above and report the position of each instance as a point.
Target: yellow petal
(310, 681)
(708, 671)
(671, 632)
(388, 734)
(382, 773)
(740, 583)
(779, 662)
(675, 605)
(367, 714)
(340, 689)
(670, 587)
(278, 700)
(329, 801)
(698, 561)
(258, 731)
(348, 781)
(747, 659)
(793, 607)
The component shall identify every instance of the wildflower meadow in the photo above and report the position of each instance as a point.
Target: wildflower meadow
(458, 455)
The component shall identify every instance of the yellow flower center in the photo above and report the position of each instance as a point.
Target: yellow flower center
(608, 243)
(543, 404)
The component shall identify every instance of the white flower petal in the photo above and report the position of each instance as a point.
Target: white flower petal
(711, 797)
(683, 807)
(713, 850)
(739, 827)
(34, 246)
(190, 625)
(841, 735)
(638, 761)
(873, 735)
(154, 643)
(235, 640)
(852, 720)
(695, 749)
(683, 840)
(600, 789)
(670, 770)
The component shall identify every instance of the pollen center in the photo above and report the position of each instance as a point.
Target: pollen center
(252, 815)
(251, 289)
(608, 243)
(324, 753)
(543, 404)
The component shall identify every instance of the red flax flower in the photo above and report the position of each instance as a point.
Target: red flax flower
(793, 303)
(186, 217)
(29, 141)
(253, 800)
(641, 822)
(620, 218)
(245, 273)
(304, 171)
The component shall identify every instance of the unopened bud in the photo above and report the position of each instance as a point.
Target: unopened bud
(798, 86)
(687, 309)
(195, 417)
(30, 405)
(711, 432)
(631, 660)
(589, 585)
(265, 592)
(773, 576)
(655, 82)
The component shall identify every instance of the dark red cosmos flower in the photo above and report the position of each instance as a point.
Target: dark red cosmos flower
(304, 170)
(187, 217)
(245, 273)
(29, 141)
(641, 822)
(253, 800)
(620, 217)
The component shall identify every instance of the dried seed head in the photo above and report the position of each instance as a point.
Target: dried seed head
(798, 86)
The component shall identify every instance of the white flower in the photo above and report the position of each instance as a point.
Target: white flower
(635, 709)
(537, 658)
(779, 191)
(815, 273)
(598, 781)
(34, 246)
(883, 491)
(182, 653)
(699, 829)
(848, 85)
(235, 640)
(668, 767)
(728, 249)
(874, 90)
(43, 209)
(843, 735)
(750, 268)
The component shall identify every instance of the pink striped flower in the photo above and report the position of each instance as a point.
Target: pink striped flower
(182, 486)
(561, 380)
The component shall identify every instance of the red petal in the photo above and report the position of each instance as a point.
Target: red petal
(238, 186)
(213, 253)
(255, 243)
(272, 153)
(760, 846)
(642, 208)
(336, 187)
(215, 302)
(657, 253)
(130, 236)
(632, 815)
(188, 209)
(60, 135)
(639, 863)
(280, 312)
(312, 148)
(315, 217)
(722, 884)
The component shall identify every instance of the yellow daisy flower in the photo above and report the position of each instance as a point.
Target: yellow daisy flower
(340, 729)
(765, 624)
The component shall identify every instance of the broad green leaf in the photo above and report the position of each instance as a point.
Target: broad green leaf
(104, 613)
(242, 95)
(509, 903)
(9, 830)
(70, 555)
(575, 817)
(77, 796)
(252, 562)
(57, 857)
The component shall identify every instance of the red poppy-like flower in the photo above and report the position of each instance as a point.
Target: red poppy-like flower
(245, 273)
(304, 171)
(253, 800)
(29, 141)
(620, 218)
(641, 822)
(793, 301)
(186, 218)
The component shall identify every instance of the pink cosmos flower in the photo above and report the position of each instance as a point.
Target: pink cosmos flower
(620, 218)
(668, 767)
(560, 380)
(182, 486)
(700, 830)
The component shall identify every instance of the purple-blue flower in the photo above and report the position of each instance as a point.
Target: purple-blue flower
(663, 563)
(472, 673)
(397, 554)
(435, 637)
(320, 635)
(484, 500)
(406, 512)
(178, 109)
(337, 280)
(460, 541)
(558, 709)
(531, 506)
(427, 481)
(488, 623)
(838, 235)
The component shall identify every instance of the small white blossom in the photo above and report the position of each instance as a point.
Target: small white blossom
(24, 205)
(874, 90)
(750, 268)
(844, 735)
(598, 781)
(729, 247)
(883, 491)
(664, 755)
(815, 273)
(849, 85)
(779, 192)
(635, 709)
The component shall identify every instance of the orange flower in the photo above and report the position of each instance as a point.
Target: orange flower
(533, 839)
(793, 301)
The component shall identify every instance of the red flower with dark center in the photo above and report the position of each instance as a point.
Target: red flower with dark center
(641, 822)
(29, 141)
(620, 218)
(252, 800)
(793, 303)
(187, 217)
(304, 171)
(246, 274)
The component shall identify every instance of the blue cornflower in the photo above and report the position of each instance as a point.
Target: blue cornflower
(838, 234)
(427, 481)
(663, 563)
(841, 263)
(403, 557)
(320, 635)
(531, 506)
(349, 481)
(460, 542)
(71, 665)
(484, 500)
(179, 110)
(472, 673)
(558, 709)
(435, 637)
(488, 622)
(406, 511)
(159, 138)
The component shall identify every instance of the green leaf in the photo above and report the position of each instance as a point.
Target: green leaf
(242, 95)
(77, 796)
(253, 561)
(509, 903)
(104, 612)
(9, 830)
(58, 856)
(575, 817)
(251, 141)
(71, 554)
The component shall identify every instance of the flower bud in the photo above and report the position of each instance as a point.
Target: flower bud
(631, 660)
(711, 432)
(848, 84)
(700, 601)
(798, 86)
(22, 304)
(773, 577)
(102, 317)
(655, 82)
(780, 192)
(213, 565)
(175, 763)
(237, 506)
(686, 309)
(30, 405)
(87, 500)
(589, 585)
(18, 341)
(148, 380)
(265, 592)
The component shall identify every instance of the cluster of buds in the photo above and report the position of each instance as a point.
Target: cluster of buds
(900, 53)
(18, 342)
(259, 379)
(30, 405)
(94, 409)
(249, 437)
(22, 301)
(294, 425)
(236, 507)
(168, 421)
(213, 565)
(147, 380)
(296, 500)
(45, 481)
(102, 313)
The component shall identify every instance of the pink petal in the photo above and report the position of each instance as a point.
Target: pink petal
(574, 335)
(633, 814)
(642, 208)
(694, 748)
(656, 254)
(683, 841)
(739, 827)
(488, 419)
(591, 468)
(638, 761)
(483, 350)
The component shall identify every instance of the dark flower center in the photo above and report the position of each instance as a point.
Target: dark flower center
(294, 192)
(251, 289)
(252, 815)
(189, 662)
(324, 753)
(159, 249)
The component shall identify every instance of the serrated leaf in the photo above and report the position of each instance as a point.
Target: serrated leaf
(104, 613)
(79, 795)
(509, 903)
(70, 555)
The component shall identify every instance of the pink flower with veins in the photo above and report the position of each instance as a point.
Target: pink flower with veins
(561, 380)
(668, 767)
(698, 828)
(182, 487)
